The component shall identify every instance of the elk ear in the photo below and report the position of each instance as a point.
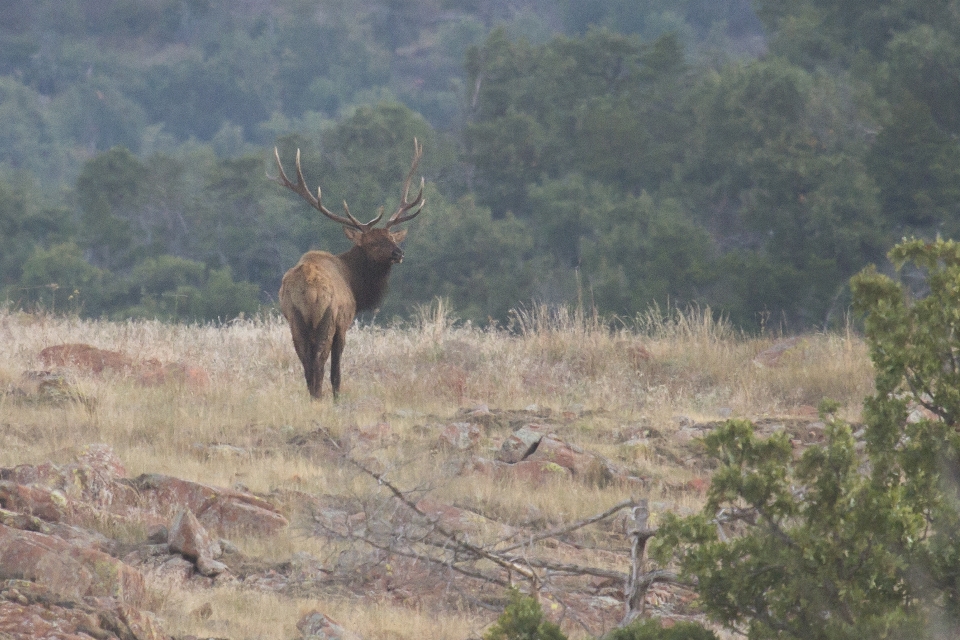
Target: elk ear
(354, 234)
(398, 236)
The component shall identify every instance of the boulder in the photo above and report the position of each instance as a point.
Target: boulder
(149, 373)
(94, 487)
(91, 478)
(49, 505)
(463, 520)
(73, 572)
(85, 357)
(46, 387)
(550, 449)
(188, 538)
(224, 511)
(232, 513)
(319, 626)
(460, 436)
(521, 443)
(31, 610)
(535, 472)
(586, 467)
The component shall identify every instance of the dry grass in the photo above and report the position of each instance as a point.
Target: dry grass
(615, 380)
(228, 613)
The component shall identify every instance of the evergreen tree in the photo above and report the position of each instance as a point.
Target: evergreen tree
(834, 543)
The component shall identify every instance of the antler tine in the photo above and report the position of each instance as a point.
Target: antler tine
(405, 206)
(419, 201)
(353, 220)
(282, 179)
(303, 191)
(364, 226)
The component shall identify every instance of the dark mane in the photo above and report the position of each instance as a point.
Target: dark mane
(368, 279)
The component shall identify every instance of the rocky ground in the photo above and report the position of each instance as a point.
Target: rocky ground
(82, 543)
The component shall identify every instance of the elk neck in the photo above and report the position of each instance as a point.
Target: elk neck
(368, 278)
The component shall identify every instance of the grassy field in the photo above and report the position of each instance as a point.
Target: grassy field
(614, 384)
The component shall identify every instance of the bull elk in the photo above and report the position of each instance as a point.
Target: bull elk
(320, 296)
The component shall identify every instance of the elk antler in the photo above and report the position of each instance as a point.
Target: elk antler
(301, 188)
(405, 206)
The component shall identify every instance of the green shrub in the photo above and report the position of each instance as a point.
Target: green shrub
(523, 620)
(838, 543)
(653, 630)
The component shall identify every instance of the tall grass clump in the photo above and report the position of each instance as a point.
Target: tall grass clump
(703, 361)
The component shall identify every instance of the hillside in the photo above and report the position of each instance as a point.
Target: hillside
(749, 157)
(105, 445)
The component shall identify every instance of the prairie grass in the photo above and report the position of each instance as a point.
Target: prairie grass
(612, 382)
(232, 613)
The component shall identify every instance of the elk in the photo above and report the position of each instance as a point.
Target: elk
(320, 296)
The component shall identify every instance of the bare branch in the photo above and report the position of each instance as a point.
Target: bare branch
(559, 531)
(409, 553)
(571, 569)
(450, 535)
(430, 541)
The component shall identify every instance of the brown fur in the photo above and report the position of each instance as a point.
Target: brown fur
(320, 296)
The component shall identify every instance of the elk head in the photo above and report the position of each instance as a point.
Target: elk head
(380, 245)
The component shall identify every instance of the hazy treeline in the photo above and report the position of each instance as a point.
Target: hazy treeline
(749, 156)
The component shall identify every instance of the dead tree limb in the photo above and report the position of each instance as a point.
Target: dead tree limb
(640, 580)
(559, 531)
(453, 536)
(430, 540)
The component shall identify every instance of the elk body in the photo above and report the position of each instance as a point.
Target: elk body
(320, 296)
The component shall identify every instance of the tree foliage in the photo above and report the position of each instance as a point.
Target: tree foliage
(581, 105)
(622, 153)
(522, 619)
(651, 629)
(835, 542)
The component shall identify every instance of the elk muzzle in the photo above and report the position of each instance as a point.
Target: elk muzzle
(396, 257)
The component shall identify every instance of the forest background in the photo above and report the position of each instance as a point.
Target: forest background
(746, 156)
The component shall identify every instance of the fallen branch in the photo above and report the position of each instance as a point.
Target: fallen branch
(435, 543)
(451, 535)
(559, 531)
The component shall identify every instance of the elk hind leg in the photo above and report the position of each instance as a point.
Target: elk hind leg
(322, 340)
(339, 341)
(304, 345)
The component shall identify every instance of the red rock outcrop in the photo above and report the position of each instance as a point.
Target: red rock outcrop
(31, 610)
(72, 572)
(188, 538)
(534, 454)
(94, 486)
(460, 436)
(151, 373)
(86, 358)
(319, 626)
(224, 511)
